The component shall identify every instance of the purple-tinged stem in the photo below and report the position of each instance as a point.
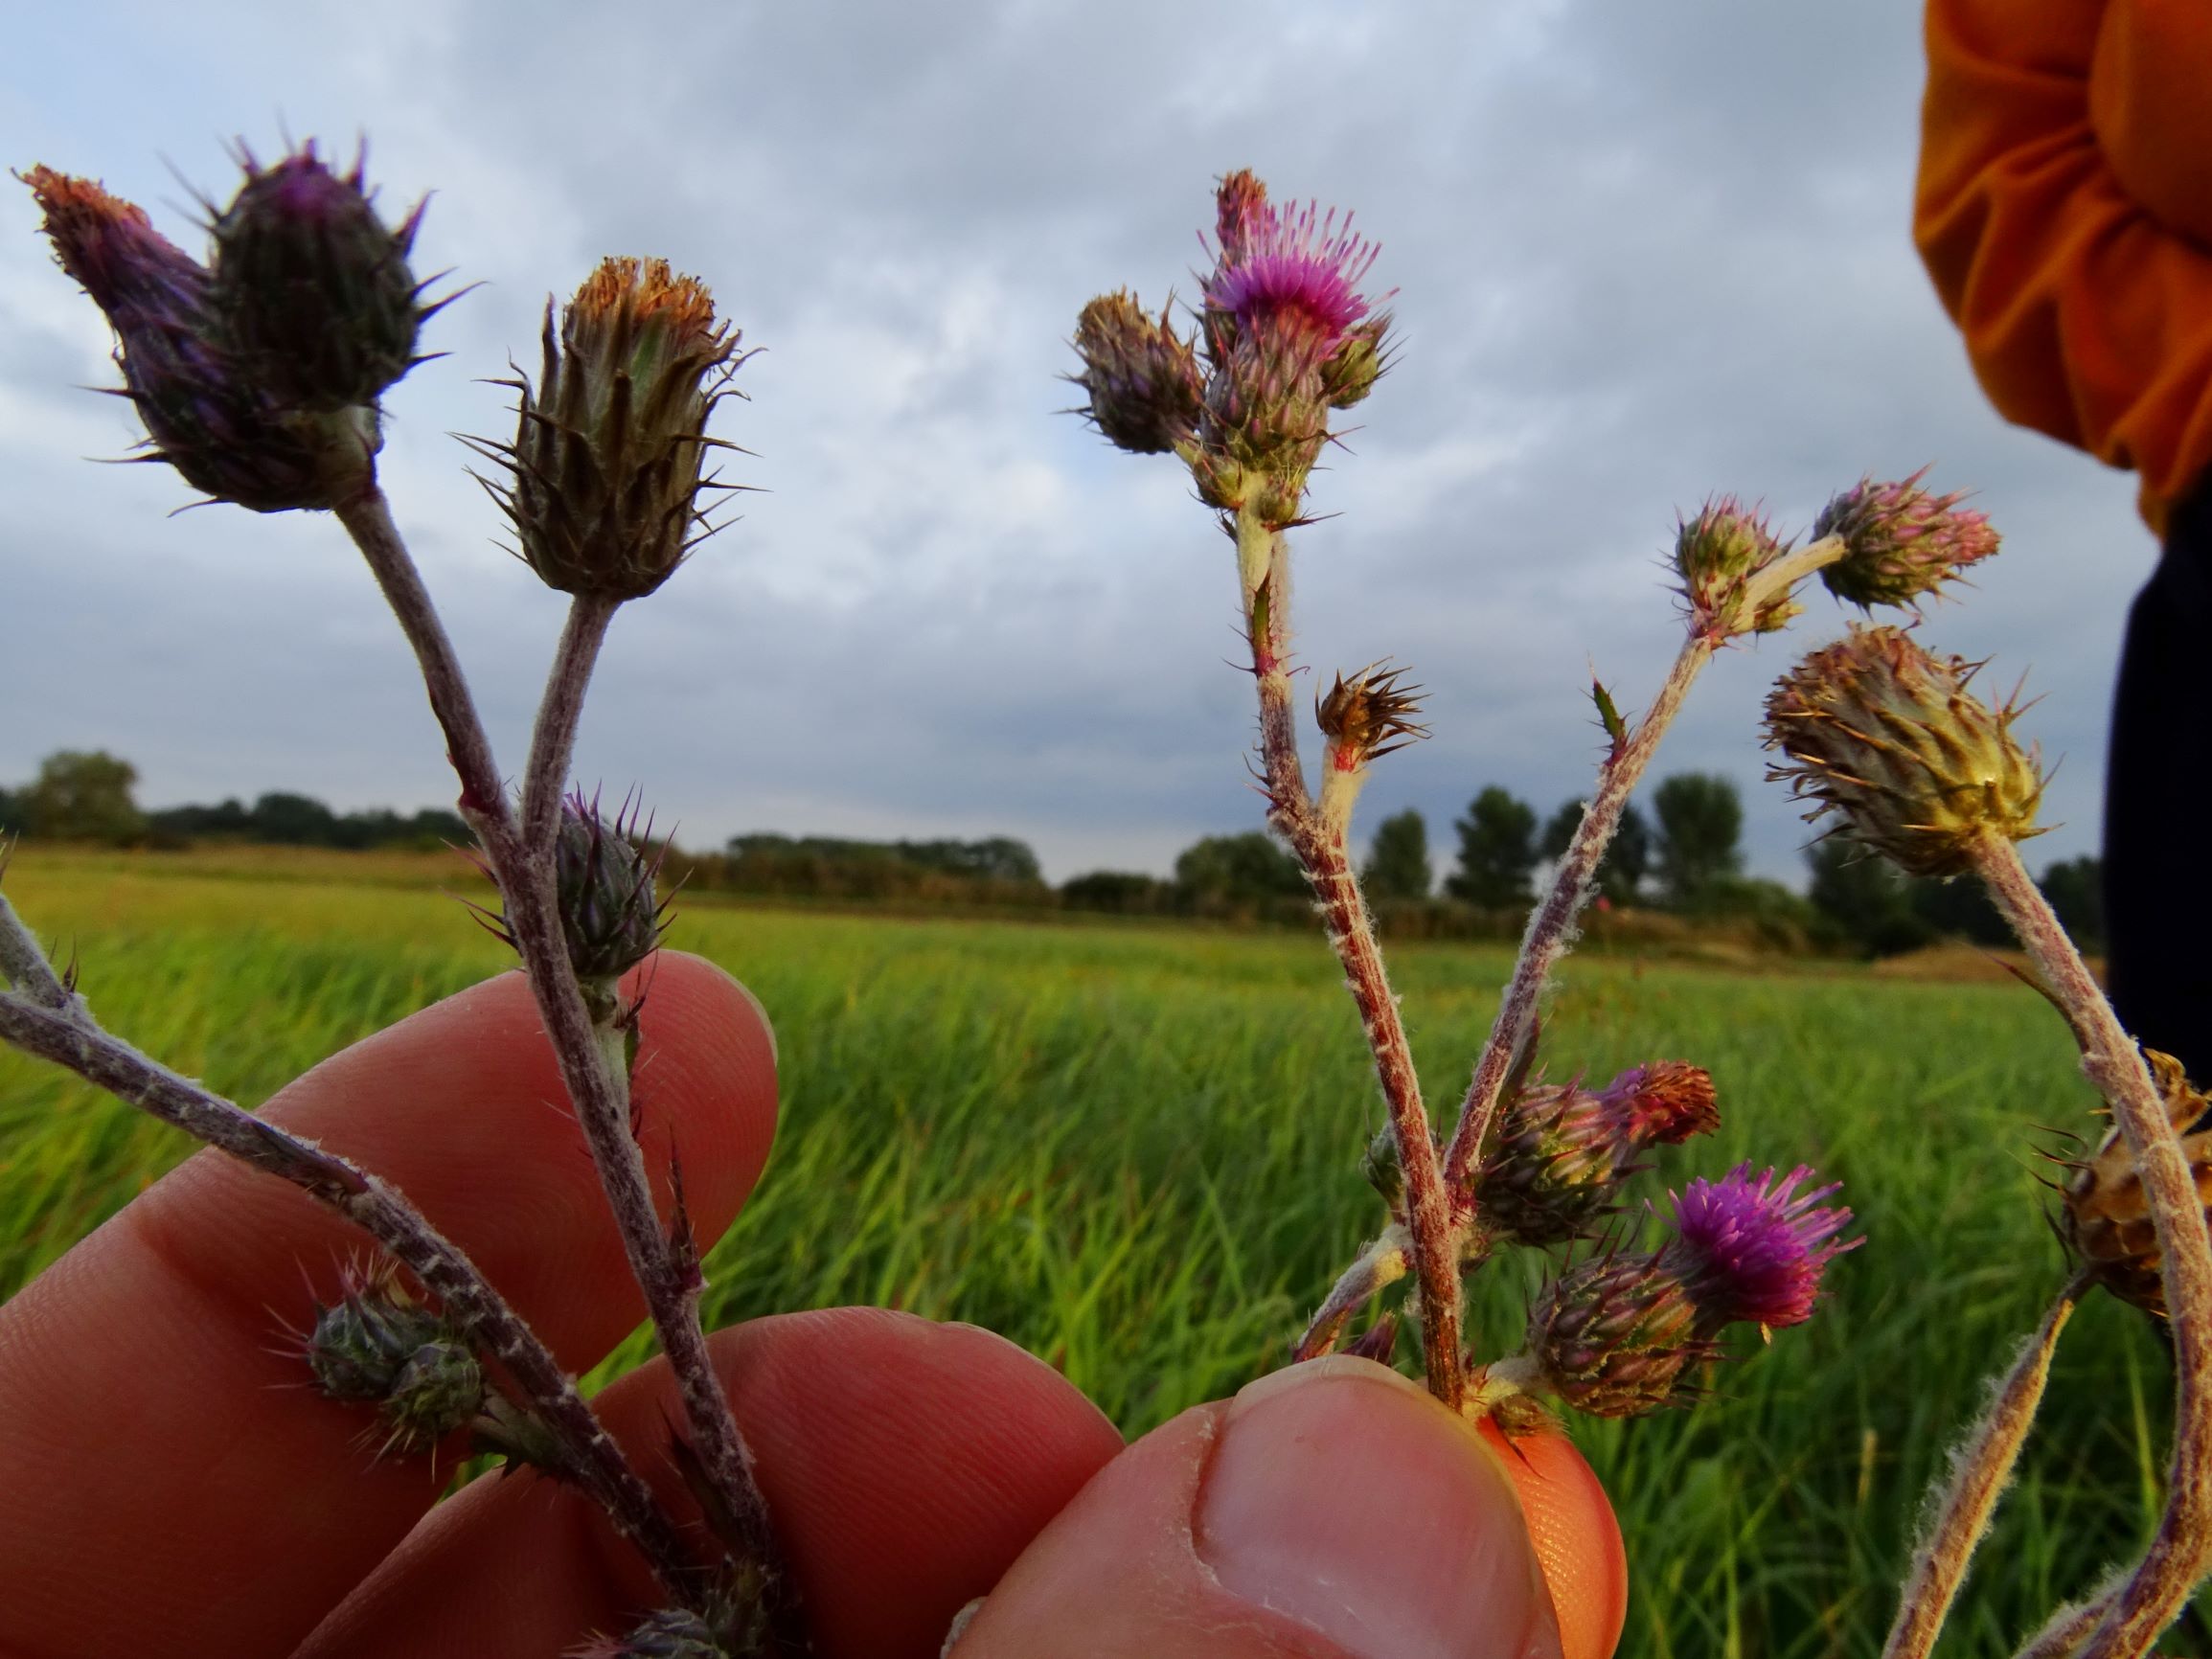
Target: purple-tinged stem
(2180, 1551)
(2063, 1636)
(588, 1455)
(1981, 1467)
(553, 741)
(1264, 562)
(24, 964)
(1551, 929)
(598, 1092)
(1382, 1264)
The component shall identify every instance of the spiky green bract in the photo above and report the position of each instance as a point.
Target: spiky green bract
(313, 286)
(610, 916)
(609, 455)
(2105, 1221)
(1902, 542)
(1717, 553)
(1886, 736)
(1613, 1336)
(377, 1345)
(223, 430)
(1141, 377)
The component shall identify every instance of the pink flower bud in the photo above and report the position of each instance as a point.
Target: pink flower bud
(1901, 543)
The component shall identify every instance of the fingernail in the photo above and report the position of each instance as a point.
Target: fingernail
(1343, 1497)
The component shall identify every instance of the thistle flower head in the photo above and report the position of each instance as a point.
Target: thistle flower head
(1902, 542)
(1613, 1336)
(1559, 1153)
(1141, 377)
(1290, 273)
(1380, 1163)
(313, 286)
(377, 1345)
(2105, 1219)
(1369, 715)
(674, 1633)
(608, 461)
(1718, 553)
(1886, 736)
(1753, 1251)
(604, 889)
(224, 432)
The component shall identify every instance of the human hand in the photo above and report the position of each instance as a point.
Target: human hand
(167, 1484)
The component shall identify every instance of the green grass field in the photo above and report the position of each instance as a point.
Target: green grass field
(1135, 1150)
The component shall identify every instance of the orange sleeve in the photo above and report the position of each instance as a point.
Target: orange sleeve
(2085, 301)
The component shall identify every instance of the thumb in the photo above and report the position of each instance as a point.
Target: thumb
(1332, 1511)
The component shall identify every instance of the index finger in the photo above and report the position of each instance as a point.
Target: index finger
(153, 1434)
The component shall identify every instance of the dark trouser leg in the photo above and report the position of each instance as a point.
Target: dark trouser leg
(2159, 803)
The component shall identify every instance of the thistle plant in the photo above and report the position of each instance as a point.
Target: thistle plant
(260, 375)
(1876, 730)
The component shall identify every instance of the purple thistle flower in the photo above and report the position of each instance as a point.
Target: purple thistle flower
(1290, 268)
(1754, 1251)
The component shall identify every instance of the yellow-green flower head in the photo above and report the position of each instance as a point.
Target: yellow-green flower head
(1887, 737)
(608, 461)
(1717, 553)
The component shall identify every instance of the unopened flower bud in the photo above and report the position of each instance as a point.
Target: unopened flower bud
(2106, 1219)
(1902, 542)
(609, 458)
(313, 287)
(1613, 1336)
(1718, 553)
(437, 1392)
(223, 431)
(1142, 378)
(1384, 1174)
(675, 1633)
(1753, 1252)
(1351, 372)
(376, 1345)
(603, 885)
(1886, 736)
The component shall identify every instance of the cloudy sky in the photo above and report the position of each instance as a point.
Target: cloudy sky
(1641, 253)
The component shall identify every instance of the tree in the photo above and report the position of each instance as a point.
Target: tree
(1398, 862)
(1700, 825)
(1864, 899)
(1496, 851)
(1628, 856)
(83, 796)
(294, 820)
(1238, 870)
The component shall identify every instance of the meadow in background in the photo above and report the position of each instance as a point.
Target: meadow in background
(1132, 1149)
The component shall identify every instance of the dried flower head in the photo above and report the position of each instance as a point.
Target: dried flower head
(1902, 542)
(1369, 715)
(1142, 378)
(1560, 1153)
(2106, 1220)
(223, 431)
(608, 460)
(313, 287)
(1613, 1336)
(1886, 736)
(1718, 553)
(1752, 1252)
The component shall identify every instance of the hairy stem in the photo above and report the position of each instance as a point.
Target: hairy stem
(1980, 1469)
(23, 962)
(597, 1091)
(553, 741)
(1382, 1264)
(2181, 1549)
(2069, 1628)
(1551, 929)
(1264, 569)
(588, 1455)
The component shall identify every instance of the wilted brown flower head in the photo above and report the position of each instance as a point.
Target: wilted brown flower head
(1886, 736)
(222, 430)
(2106, 1220)
(1718, 551)
(1665, 1103)
(608, 461)
(1902, 542)
(1369, 715)
(1142, 378)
